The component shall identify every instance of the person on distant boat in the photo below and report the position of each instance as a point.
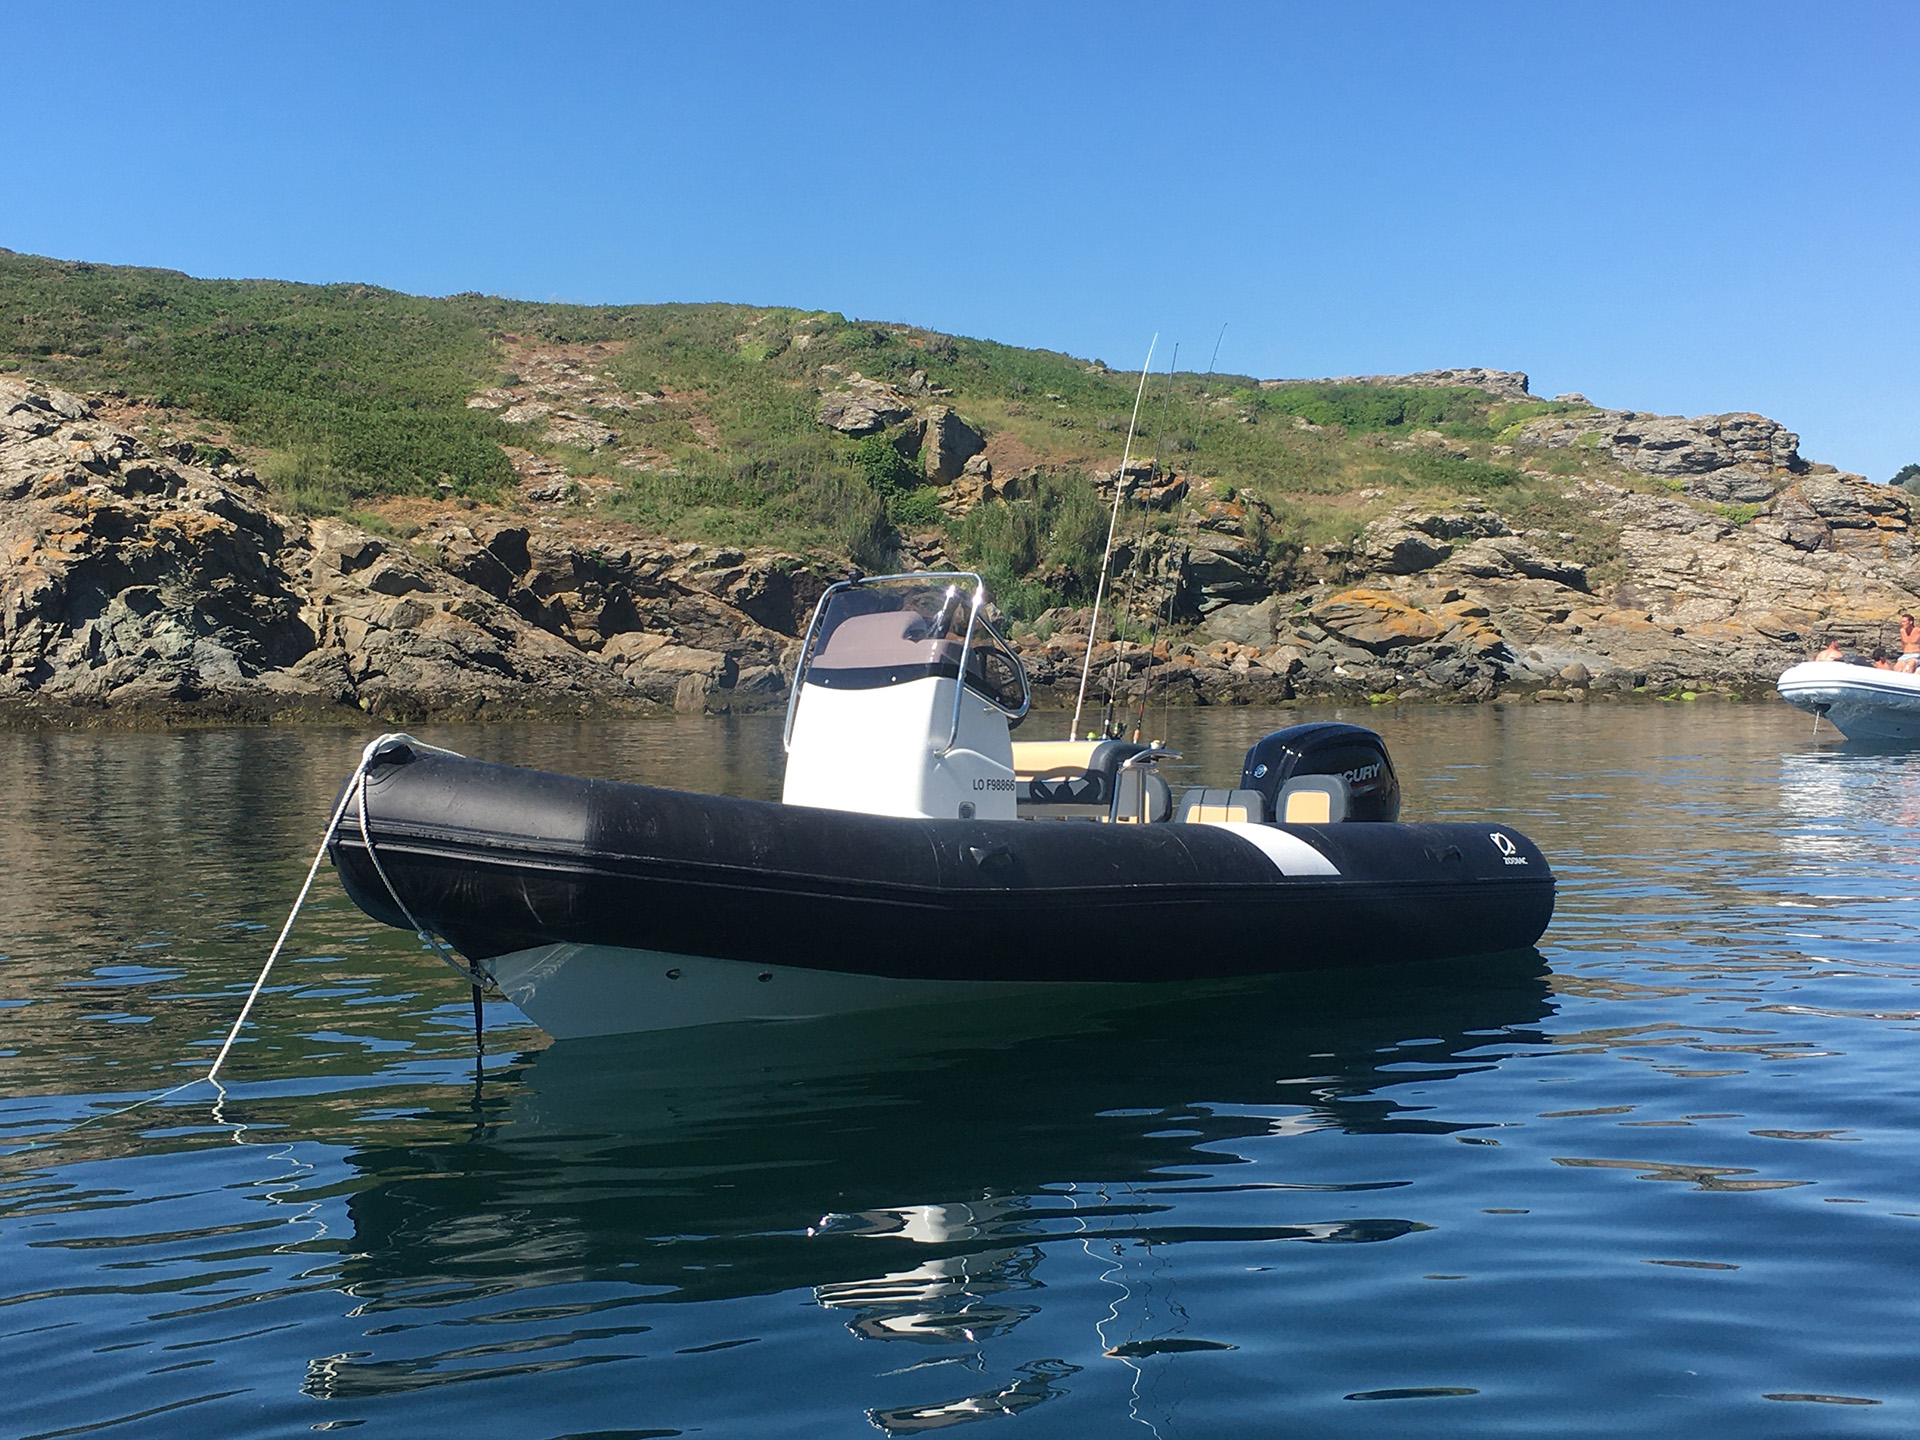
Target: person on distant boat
(1831, 651)
(1909, 644)
(1881, 661)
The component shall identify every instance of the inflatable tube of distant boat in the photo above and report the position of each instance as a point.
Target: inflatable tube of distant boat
(1863, 701)
(501, 860)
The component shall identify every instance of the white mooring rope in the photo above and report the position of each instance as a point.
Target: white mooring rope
(356, 788)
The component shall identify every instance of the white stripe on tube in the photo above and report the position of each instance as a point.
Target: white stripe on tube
(1289, 853)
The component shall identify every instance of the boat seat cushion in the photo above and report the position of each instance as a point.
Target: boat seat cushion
(1206, 807)
(1069, 772)
(1067, 787)
(1314, 800)
(1144, 797)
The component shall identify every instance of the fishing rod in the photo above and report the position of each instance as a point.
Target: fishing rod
(1166, 608)
(1139, 549)
(1140, 719)
(1164, 616)
(1100, 591)
(1216, 354)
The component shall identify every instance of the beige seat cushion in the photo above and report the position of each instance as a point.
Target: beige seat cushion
(1308, 807)
(1314, 800)
(1051, 757)
(1206, 807)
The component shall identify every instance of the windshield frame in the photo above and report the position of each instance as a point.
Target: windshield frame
(977, 626)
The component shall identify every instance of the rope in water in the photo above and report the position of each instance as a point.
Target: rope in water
(356, 788)
(359, 780)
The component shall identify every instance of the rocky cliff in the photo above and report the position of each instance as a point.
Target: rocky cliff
(141, 586)
(1458, 602)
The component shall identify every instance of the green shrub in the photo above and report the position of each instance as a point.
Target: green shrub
(1366, 408)
(355, 393)
(374, 380)
(885, 468)
(1039, 551)
(1456, 472)
(911, 503)
(303, 483)
(797, 495)
(916, 509)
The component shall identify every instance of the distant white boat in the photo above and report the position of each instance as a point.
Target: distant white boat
(1863, 703)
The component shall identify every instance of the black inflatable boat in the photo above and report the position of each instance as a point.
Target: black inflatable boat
(601, 907)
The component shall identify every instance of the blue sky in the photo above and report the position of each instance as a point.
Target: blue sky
(1679, 208)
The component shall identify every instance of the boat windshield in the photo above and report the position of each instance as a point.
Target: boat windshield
(886, 632)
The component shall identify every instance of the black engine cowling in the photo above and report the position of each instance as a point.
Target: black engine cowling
(1352, 752)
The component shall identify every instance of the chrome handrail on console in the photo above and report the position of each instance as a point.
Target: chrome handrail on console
(1150, 756)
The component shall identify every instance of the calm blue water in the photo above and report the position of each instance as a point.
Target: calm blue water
(1660, 1180)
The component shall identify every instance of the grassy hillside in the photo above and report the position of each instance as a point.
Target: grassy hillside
(348, 396)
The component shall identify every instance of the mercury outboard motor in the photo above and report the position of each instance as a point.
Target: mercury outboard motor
(1351, 754)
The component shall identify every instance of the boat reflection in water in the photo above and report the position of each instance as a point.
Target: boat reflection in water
(910, 1172)
(1849, 803)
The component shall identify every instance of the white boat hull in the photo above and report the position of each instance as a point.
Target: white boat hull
(1863, 703)
(573, 991)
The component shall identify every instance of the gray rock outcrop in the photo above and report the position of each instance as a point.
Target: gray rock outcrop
(143, 586)
(1506, 384)
(1411, 540)
(947, 443)
(580, 432)
(1220, 570)
(979, 481)
(862, 407)
(1257, 625)
(1701, 603)
(1739, 458)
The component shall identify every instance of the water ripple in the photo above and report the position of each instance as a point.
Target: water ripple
(1655, 1180)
